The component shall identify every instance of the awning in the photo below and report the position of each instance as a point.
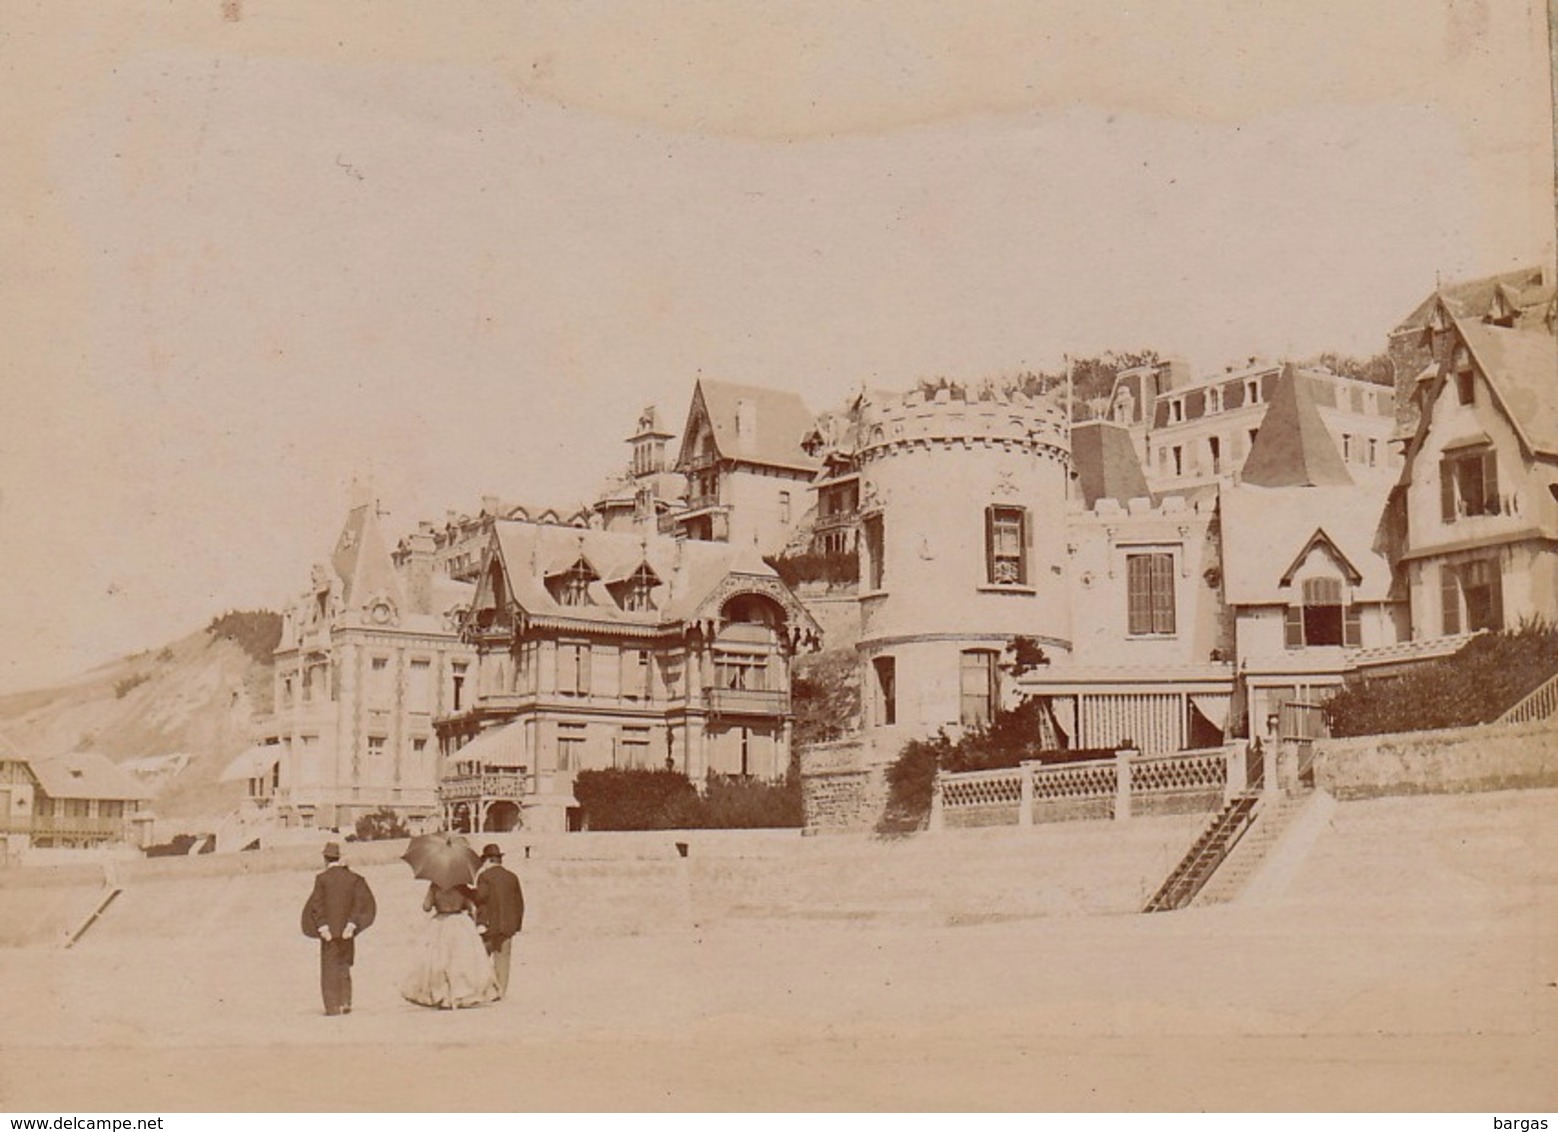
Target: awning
(1475, 440)
(497, 747)
(256, 762)
(1214, 708)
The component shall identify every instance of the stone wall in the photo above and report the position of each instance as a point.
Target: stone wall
(1452, 761)
(839, 791)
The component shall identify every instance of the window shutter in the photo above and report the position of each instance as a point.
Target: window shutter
(1163, 593)
(1293, 627)
(1352, 626)
(1447, 491)
(1137, 589)
(1490, 500)
(1450, 601)
(1496, 593)
(586, 656)
(1025, 544)
(990, 545)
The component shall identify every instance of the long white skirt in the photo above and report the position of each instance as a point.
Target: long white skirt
(453, 969)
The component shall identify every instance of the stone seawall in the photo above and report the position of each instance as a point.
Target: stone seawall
(1452, 761)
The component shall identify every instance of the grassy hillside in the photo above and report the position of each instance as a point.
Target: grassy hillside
(175, 716)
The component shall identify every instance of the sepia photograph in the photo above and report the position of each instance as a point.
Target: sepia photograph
(718, 556)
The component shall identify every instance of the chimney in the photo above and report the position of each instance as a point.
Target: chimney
(421, 560)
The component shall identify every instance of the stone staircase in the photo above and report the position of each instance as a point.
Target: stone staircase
(1272, 819)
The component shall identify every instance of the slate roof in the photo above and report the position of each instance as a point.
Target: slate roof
(1522, 368)
(362, 561)
(1266, 529)
(1293, 447)
(1472, 298)
(689, 573)
(85, 774)
(1106, 463)
(780, 419)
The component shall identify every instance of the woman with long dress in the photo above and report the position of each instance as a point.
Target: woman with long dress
(453, 968)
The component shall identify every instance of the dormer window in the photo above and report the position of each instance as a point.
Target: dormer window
(1323, 617)
(573, 587)
(1214, 400)
(1252, 391)
(637, 595)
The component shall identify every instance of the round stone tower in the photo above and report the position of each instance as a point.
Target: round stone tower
(963, 509)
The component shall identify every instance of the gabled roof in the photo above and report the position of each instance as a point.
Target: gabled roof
(85, 774)
(1293, 447)
(1473, 298)
(1522, 368)
(692, 576)
(1268, 531)
(750, 423)
(362, 560)
(1106, 463)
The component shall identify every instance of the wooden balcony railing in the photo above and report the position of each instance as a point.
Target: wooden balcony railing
(491, 784)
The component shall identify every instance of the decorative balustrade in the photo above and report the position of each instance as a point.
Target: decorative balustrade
(1540, 704)
(1189, 772)
(1099, 787)
(60, 825)
(1074, 782)
(746, 701)
(982, 788)
(493, 784)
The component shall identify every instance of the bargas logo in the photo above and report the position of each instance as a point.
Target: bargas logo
(1519, 1124)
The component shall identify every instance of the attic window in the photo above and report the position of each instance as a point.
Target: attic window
(1323, 618)
(638, 591)
(1465, 387)
(573, 587)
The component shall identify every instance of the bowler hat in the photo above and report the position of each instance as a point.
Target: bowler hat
(332, 851)
(492, 853)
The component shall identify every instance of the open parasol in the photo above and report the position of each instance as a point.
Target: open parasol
(443, 858)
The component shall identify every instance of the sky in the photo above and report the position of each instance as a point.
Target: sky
(254, 252)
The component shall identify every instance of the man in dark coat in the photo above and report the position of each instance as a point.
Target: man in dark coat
(500, 911)
(340, 908)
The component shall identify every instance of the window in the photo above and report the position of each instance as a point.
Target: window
(1468, 485)
(1346, 448)
(456, 684)
(638, 591)
(1373, 451)
(286, 692)
(1323, 618)
(741, 671)
(375, 745)
(1214, 448)
(1472, 596)
(1214, 400)
(977, 688)
(419, 686)
(1466, 387)
(573, 668)
(784, 506)
(1006, 537)
(1149, 584)
(573, 588)
(419, 747)
(633, 747)
(1252, 391)
(1254, 432)
(884, 669)
(875, 549)
(570, 746)
(636, 669)
(1179, 460)
(1177, 410)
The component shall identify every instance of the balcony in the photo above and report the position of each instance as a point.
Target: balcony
(57, 825)
(746, 701)
(848, 518)
(490, 784)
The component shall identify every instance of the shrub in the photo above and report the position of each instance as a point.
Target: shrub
(825, 696)
(910, 780)
(383, 824)
(633, 799)
(1489, 675)
(621, 799)
(732, 802)
(256, 631)
(127, 684)
(834, 569)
